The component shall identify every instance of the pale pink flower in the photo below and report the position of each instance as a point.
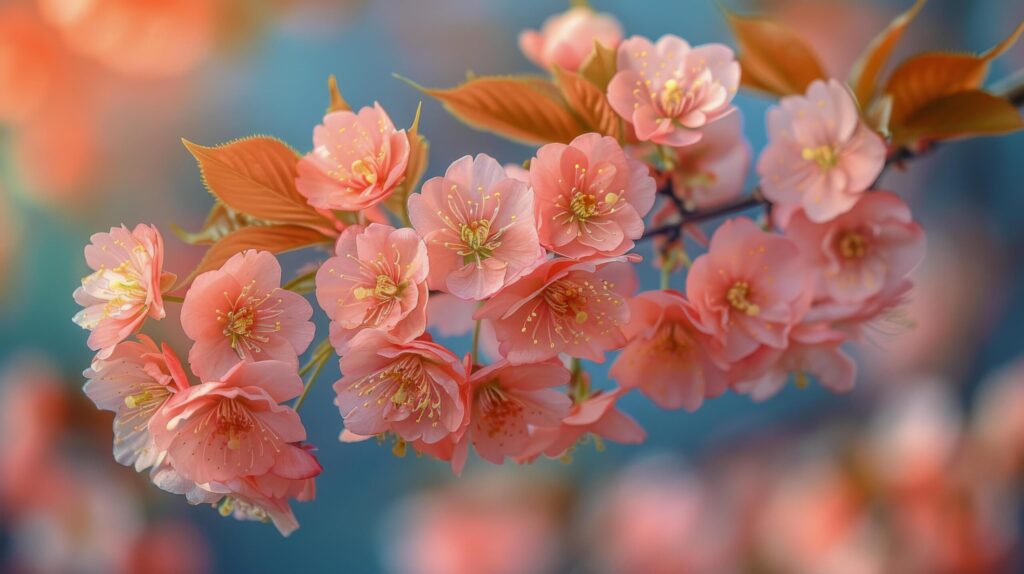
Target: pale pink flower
(563, 306)
(813, 351)
(590, 197)
(235, 427)
(567, 40)
(266, 497)
(867, 250)
(125, 287)
(668, 90)
(478, 225)
(596, 415)
(748, 291)
(418, 390)
(378, 281)
(357, 160)
(712, 171)
(134, 382)
(508, 400)
(820, 155)
(666, 357)
(240, 313)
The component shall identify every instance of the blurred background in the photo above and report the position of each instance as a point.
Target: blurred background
(917, 470)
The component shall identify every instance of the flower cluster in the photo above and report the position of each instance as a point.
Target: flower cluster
(538, 261)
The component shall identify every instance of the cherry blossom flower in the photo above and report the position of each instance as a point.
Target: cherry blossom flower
(820, 155)
(563, 306)
(235, 427)
(813, 351)
(266, 497)
(870, 249)
(590, 197)
(478, 225)
(712, 171)
(240, 313)
(747, 291)
(135, 382)
(668, 90)
(377, 280)
(508, 400)
(596, 415)
(666, 357)
(125, 287)
(357, 160)
(418, 390)
(567, 40)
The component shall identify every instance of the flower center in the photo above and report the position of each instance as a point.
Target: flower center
(405, 385)
(566, 298)
(364, 169)
(671, 338)
(825, 156)
(671, 93)
(853, 245)
(497, 407)
(476, 238)
(583, 205)
(246, 324)
(738, 296)
(234, 421)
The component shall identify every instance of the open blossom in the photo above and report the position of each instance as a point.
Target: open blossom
(134, 382)
(668, 90)
(590, 197)
(357, 160)
(870, 249)
(417, 390)
(508, 400)
(240, 313)
(478, 225)
(563, 306)
(596, 415)
(566, 40)
(125, 287)
(813, 351)
(666, 357)
(747, 291)
(712, 171)
(377, 280)
(820, 155)
(234, 427)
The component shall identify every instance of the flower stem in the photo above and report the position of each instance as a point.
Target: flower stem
(173, 298)
(666, 273)
(302, 284)
(475, 353)
(316, 363)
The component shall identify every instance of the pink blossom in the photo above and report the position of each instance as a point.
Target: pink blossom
(418, 390)
(235, 427)
(668, 90)
(596, 415)
(712, 171)
(666, 357)
(563, 306)
(478, 225)
(813, 351)
(590, 197)
(135, 382)
(240, 313)
(449, 316)
(377, 281)
(747, 291)
(125, 287)
(567, 40)
(509, 400)
(357, 160)
(870, 249)
(820, 155)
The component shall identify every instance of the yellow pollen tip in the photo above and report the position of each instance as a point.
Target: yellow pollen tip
(611, 198)
(581, 317)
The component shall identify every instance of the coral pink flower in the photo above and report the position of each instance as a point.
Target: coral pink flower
(713, 170)
(596, 415)
(266, 497)
(820, 155)
(666, 357)
(378, 280)
(748, 290)
(240, 313)
(135, 382)
(125, 287)
(563, 306)
(235, 427)
(478, 225)
(566, 40)
(508, 400)
(418, 390)
(590, 197)
(867, 250)
(356, 162)
(668, 90)
(813, 351)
